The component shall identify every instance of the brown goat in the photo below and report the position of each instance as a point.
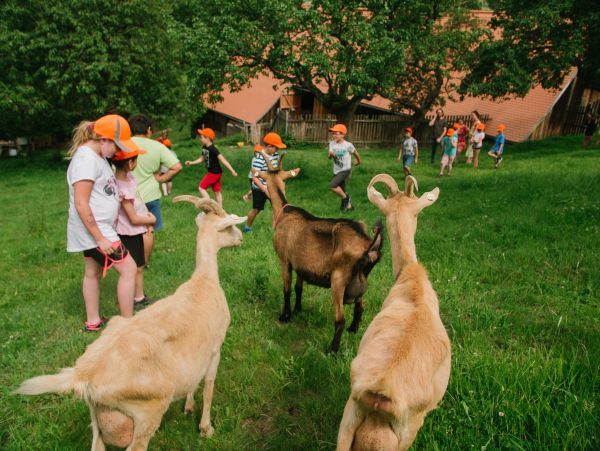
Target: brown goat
(130, 375)
(402, 367)
(330, 253)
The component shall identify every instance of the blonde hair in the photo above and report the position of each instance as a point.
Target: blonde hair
(83, 133)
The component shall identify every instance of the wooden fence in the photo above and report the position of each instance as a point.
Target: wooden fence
(575, 121)
(364, 130)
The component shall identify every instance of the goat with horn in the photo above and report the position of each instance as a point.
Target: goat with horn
(331, 253)
(402, 368)
(138, 366)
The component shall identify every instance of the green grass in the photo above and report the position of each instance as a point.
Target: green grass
(512, 253)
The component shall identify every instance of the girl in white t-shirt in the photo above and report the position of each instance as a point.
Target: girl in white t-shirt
(477, 141)
(93, 209)
(134, 219)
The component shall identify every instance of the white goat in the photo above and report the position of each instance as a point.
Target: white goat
(130, 375)
(402, 368)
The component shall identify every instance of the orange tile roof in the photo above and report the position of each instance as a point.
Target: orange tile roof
(252, 102)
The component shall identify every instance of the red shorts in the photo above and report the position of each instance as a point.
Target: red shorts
(213, 180)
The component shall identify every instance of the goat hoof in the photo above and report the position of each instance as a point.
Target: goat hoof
(285, 317)
(207, 431)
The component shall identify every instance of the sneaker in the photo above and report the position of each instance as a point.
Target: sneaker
(499, 161)
(142, 304)
(246, 198)
(247, 229)
(88, 327)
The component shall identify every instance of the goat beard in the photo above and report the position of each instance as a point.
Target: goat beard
(116, 427)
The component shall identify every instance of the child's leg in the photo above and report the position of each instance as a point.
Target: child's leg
(219, 198)
(339, 191)
(450, 160)
(204, 193)
(251, 216)
(91, 290)
(148, 245)
(493, 155)
(246, 196)
(139, 284)
(476, 157)
(127, 270)
(169, 187)
(165, 189)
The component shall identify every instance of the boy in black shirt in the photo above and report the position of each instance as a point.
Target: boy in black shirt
(212, 157)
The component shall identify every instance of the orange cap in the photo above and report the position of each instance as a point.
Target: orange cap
(116, 128)
(501, 128)
(258, 148)
(456, 125)
(167, 142)
(408, 129)
(273, 139)
(480, 126)
(339, 128)
(120, 155)
(208, 132)
(450, 132)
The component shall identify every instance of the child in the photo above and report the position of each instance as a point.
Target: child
(449, 148)
(93, 210)
(462, 133)
(475, 118)
(211, 156)
(246, 196)
(166, 187)
(259, 186)
(134, 219)
(341, 152)
(498, 147)
(477, 142)
(409, 151)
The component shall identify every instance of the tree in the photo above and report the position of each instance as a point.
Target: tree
(540, 43)
(342, 51)
(64, 61)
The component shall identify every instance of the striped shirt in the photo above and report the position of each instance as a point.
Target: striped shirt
(259, 164)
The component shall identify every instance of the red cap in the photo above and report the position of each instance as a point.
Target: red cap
(208, 132)
(339, 128)
(116, 128)
(273, 139)
(408, 129)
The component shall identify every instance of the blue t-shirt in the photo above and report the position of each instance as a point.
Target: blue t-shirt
(499, 141)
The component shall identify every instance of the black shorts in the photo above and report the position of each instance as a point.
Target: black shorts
(99, 257)
(135, 245)
(258, 199)
(339, 179)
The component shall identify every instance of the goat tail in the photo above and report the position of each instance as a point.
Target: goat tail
(51, 383)
(375, 400)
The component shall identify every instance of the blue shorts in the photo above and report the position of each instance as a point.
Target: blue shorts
(408, 160)
(154, 208)
(496, 151)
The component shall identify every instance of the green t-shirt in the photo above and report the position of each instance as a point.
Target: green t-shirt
(148, 164)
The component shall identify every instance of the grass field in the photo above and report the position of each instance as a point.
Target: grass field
(513, 254)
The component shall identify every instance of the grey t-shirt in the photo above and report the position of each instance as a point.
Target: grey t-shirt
(438, 127)
(342, 155)
(409, 146)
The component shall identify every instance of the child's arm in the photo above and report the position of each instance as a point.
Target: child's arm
(198, 160)
(132, 215)
(416, 152)
(223, 160)
(399, 153)
(357, 156)
(260, 185)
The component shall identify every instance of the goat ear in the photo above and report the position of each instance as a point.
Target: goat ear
(428, 198)
(410, 186)
(231, 220)
(289, 174)
(375, 249)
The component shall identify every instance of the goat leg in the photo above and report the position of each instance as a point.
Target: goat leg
(189, 403)
(146, 421)
(97, 442)
(338, 286)
(298, 291)
(206, 429)
(358, 311)
(286, 274)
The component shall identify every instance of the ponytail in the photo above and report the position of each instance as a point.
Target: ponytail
(83, 133)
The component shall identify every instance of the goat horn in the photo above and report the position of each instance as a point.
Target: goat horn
(206, 205)
(387, 180)
(410, 186)
(267, 160)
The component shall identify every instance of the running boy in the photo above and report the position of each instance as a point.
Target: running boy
(341, 152)
(133, 220)
(211, 156)
(498, 147)
(409, 151)
(259, 186)
(449, 148)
